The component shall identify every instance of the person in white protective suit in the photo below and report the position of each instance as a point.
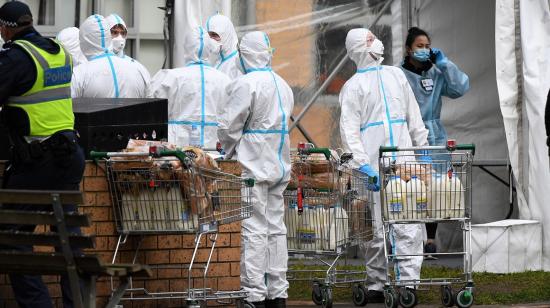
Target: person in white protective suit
(379, 109)
(193, 92)
(69, 38)
(119, 32)
(253, 129)
(105, 75)
(221, 29)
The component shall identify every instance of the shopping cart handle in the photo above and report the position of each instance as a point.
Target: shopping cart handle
(384, 149)
(324, 151)
(466, 147)
(179, 154)
(249, 182)
(96, 156)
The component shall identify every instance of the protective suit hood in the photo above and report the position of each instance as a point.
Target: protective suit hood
(359, 52)
(223, 26)
(114, 20)
(199, 47)
(95, 38)
(69, 37)
(255, 51)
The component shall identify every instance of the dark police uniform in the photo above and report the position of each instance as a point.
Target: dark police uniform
(35, 75)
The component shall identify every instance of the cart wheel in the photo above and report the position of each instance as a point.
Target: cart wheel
(327, 297)
(316, 294)
(193, 304)
(359, 295)
(447, 296)
(464, 298)
(248, 305)
(390, 298)
(408, 298)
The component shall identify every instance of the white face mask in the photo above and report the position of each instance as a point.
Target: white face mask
(377, 48)
(118, 43)
(215, 57)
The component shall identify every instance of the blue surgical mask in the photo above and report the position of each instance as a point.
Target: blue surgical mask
(421, 55)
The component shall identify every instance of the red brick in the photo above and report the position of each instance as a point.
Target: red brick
(169, 241)
(54, 290)
(202, 255)
(100, 214)
(163, 273)
(235, 240)
(100, 170)
(157, 285)
(229, 283)
(210, 283)
(103, 288)
(235, 269)
(96, 183)
(89, 198)
(219, 269)
(105, 243)
(105, 256)
(223, 240)
(89, 230)
(128, 257)
(149, 242)
(229, 254)
(188, 241)
(103, 199)
(105, 228)
(50, 278)
(157, 257)
(43, 249)
(90, 170)
(180, 256)
(232, 227)
(178, 285)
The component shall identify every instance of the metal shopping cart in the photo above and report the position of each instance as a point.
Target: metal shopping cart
(327, 211)
(424, 185)
(166, 192)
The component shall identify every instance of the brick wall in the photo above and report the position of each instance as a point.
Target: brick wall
(159, 250)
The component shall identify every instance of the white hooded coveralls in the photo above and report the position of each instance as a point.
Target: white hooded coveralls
(379, 109)
(227, 60)
(70, 40)
(254, 129)
(113, 20)
(106, 75)
(193, 92)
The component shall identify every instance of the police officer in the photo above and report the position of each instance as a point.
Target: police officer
(35, 96)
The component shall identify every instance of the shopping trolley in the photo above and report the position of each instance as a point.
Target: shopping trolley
(165, 192)
(327, 211)
(424, 185)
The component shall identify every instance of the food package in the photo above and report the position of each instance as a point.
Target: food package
(327, 180)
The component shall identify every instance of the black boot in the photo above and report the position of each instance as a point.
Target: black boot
(254, 304)
(275, 303)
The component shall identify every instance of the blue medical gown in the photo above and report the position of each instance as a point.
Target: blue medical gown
(448, 81)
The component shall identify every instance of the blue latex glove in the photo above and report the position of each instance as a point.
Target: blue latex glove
(373, 184)
(439, 56)
(424, 157)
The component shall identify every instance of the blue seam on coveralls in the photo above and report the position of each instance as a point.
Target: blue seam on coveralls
(118, 19)
(396, 263)
(108, 55)
(387, 114)
(372, 124)
(177, 122)
(370, 69)
(231, 55)
(202, 85)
